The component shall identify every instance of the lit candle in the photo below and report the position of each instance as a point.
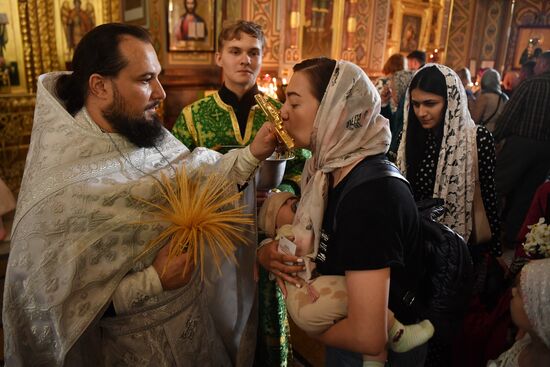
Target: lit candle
(352, 25)
(294, 19)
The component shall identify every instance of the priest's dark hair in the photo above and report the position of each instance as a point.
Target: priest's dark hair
(97, 53)
(318, 71)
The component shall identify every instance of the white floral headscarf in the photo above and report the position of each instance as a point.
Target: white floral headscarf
(535, 291)
(348, 127)
(455, 174)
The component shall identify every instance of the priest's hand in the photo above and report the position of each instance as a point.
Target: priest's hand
(264, 142)
(171, 273)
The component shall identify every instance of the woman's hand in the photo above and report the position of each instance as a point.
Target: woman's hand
(264, 142)
(278, 264)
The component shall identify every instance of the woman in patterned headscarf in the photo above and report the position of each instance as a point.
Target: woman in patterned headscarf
(371, 238)
(438, 153)
(438, 149)
(530, 311)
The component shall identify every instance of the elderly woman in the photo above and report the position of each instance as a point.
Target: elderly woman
(370, 234)
(490, 103)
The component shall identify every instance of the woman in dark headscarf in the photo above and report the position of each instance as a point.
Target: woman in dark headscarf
(490, 103)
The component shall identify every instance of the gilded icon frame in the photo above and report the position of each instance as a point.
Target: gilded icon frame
(191, 30)
(524, 34)
(411, 28)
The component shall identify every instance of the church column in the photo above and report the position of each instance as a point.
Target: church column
(38, 34)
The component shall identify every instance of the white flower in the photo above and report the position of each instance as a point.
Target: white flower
(537, 240)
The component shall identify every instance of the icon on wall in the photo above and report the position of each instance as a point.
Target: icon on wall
(530, 43)
(9, 73)
(410, 33)
(191, 25)
(77, 21)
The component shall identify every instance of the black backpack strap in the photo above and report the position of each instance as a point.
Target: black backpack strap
(369, 169)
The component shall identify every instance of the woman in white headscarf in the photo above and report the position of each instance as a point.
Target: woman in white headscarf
(490, 103)
(438, 149)
(530, 311)
(442, 153)
(333, 109)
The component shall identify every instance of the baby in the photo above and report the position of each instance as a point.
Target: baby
(530, 311)
(316, 316)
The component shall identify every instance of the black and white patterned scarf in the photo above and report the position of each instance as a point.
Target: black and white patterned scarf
(455, 174)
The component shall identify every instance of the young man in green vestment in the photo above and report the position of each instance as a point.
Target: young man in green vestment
(228, 119)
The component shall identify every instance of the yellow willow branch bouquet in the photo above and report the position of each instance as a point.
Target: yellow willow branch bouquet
(202, 215)
(537, 240)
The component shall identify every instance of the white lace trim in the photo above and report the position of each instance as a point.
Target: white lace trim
(455, 176)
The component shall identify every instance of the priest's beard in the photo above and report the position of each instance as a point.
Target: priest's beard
(143, 132)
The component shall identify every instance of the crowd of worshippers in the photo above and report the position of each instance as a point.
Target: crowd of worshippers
(92, 280)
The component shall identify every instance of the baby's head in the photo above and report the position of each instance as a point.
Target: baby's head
(277, 210)
(529, 307)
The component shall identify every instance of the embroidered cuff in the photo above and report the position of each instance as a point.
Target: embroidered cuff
(135, 289)
(249, 159)
(245, 165)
